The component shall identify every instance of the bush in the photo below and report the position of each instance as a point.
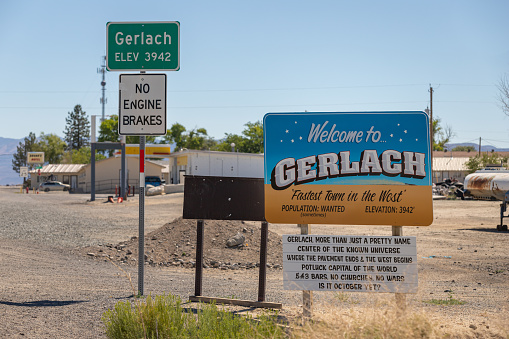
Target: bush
(164, 317)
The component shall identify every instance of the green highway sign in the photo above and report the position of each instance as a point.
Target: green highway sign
(143, 46)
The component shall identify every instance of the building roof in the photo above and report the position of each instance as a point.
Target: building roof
(61, 168)
(194, 151)
(448, 154)
(450, 164)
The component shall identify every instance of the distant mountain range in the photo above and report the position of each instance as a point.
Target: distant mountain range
(484, 148)
(7, 149)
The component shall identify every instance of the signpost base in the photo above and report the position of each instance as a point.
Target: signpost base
(307, 296)
(397, 231)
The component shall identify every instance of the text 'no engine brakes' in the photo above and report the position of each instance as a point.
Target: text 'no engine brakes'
(142, 106)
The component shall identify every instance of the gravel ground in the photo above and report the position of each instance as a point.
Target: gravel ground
(49, 289)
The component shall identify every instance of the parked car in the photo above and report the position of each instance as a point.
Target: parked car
(53, 186)
(154, 181)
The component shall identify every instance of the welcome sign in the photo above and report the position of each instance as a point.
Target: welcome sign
(369, 168)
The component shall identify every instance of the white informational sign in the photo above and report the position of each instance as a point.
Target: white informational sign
(23, 172)
(350, 263)
(142, 104)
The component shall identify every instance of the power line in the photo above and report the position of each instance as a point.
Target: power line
(260, 89)
(502, 141)
(469, 85)
(235, 89)
(252, 106)
(465, 102)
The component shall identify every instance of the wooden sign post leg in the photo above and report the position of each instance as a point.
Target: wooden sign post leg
(199, 258)
(263, 261)
(307, 296)
(397, 231)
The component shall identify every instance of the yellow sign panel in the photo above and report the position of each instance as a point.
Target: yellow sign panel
(149, 150)
(182, 161)
(396, 205)
(35, 157)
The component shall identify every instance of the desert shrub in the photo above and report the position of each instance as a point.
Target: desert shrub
(164, 317)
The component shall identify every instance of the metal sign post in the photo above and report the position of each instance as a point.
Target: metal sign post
(141, 235)
(142, 46)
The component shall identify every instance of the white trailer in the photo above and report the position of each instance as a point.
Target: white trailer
(212, 163)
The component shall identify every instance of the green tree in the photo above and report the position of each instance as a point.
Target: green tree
(81, 156)
(226, 144)
(77, 129)
(479, 162)
(441, 136)
(209, 144)
(463, 149)
(175, 135)
(108, 132)
(53, 147)
(253, 134)
(29, 144)
(195, 138)
(251, 140)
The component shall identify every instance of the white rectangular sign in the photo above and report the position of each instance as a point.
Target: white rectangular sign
(23, 172)
(350, 263)
(142, 104)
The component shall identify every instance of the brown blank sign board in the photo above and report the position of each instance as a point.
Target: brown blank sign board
(223, 198)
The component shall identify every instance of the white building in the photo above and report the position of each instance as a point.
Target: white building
(449, 168)
(212, 163)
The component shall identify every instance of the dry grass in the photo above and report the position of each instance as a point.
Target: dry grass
(381, 323)
(385, 320)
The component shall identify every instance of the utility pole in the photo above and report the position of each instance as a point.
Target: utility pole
(479, 147)
(102, 70)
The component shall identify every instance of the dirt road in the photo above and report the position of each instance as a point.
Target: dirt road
(48, 290)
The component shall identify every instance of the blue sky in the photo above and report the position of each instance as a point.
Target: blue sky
(242, 59)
